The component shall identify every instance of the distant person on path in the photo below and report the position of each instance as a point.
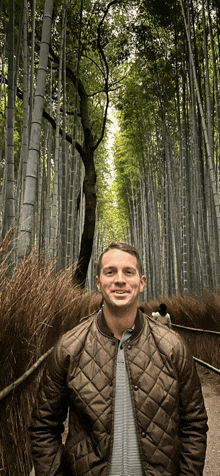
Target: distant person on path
(162, 315)
(131, 387)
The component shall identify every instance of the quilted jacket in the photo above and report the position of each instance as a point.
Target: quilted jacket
(168, 405)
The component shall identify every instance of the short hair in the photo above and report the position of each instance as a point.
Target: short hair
(163, 309)
(122, 247)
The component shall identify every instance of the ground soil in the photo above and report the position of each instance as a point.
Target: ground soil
(210, 382)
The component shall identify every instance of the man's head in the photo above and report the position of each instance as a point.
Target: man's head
(120, 279)
(123, 247)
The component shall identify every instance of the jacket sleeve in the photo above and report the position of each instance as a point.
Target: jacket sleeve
(49, 413)
(193, 418)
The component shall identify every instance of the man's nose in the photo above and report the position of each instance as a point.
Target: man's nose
(119, 277)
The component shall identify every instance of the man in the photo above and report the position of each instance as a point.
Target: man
(134, 397)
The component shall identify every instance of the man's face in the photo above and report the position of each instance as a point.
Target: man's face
(119, 281)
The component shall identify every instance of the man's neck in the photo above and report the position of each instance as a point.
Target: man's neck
(120, 322)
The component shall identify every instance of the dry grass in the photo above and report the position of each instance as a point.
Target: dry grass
(36, 307)
(201, 311)
(203, 346)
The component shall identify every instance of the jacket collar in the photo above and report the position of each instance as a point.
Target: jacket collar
(103, 326)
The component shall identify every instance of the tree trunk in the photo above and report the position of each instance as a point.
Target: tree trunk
(90, 213)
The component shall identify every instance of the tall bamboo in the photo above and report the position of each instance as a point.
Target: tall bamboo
(206, 138)
(27, 216)
(71, 218)
(25, 134)
(33, 3)
(55, 202)
(9, 206)
(47, 220)
(63, 219)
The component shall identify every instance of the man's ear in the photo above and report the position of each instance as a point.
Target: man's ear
(97, 283)
(143, 283)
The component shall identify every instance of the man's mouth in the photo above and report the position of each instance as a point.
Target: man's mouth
(119, 292)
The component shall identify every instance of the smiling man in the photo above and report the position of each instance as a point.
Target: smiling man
(120, 282)
(131, 387)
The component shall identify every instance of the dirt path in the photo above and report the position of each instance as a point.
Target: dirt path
(210, 382)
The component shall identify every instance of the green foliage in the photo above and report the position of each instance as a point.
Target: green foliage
(165, 13)
(126, 172)
(147, 97)
(114, 223)
(112, 211)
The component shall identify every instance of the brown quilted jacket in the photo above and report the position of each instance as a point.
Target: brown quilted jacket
(80, 375)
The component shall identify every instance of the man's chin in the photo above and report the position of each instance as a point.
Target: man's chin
(119, 303)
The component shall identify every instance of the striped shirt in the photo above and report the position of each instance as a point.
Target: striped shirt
(126, 460)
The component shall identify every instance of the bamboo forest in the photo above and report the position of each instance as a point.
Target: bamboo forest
(110, 129)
